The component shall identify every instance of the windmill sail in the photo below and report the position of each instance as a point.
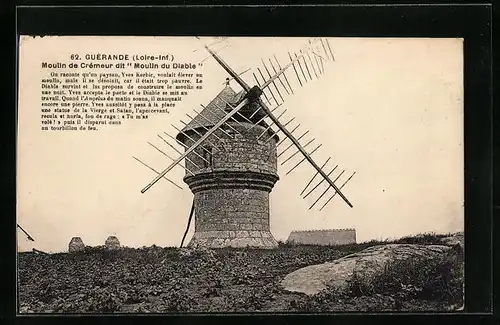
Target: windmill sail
(274, 119)
(195, 145)
(251, 99)
(303, 151)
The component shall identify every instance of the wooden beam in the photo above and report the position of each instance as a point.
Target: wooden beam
(27, 235)
(302, 150)
(197, 143)
(188, 224)
(154, 170)
(281, 71)
(226, 67)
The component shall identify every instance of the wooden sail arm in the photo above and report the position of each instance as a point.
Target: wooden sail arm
(226, 67)
(282, 70)
(27, 235)
(197, 143)
(239, 74)
(268, 82)
(302, 150)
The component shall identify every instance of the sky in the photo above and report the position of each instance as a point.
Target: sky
(389, 109)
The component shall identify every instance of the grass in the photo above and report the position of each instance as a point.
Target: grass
(156, 279)
(410, 284)
(428, 279)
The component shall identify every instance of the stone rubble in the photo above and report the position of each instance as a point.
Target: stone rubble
(112, 243)
(76, 245)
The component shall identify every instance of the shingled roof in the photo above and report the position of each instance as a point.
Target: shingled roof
(215, 111)
(212, 112)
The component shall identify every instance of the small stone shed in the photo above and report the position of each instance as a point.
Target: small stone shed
(323, 237)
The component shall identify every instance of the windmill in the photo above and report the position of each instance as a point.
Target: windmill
(230, 151)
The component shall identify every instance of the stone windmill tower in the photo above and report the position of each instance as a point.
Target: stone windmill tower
(230, 154)
(231, 185)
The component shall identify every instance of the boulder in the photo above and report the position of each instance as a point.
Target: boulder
(112, 243)
(76, 245)
(364, 266)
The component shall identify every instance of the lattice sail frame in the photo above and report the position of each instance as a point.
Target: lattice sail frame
(309, 62)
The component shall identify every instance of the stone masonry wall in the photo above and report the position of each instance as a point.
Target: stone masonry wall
(231, 193)
(323, 237)
(241, 153)
(232, 210)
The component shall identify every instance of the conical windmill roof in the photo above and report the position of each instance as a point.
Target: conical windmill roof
(212, 112)
(215, 111)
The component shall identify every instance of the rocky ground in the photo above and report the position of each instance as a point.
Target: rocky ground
(163, 280)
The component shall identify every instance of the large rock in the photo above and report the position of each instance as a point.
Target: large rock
(76, 245)
(112, 243)
(364, 265)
